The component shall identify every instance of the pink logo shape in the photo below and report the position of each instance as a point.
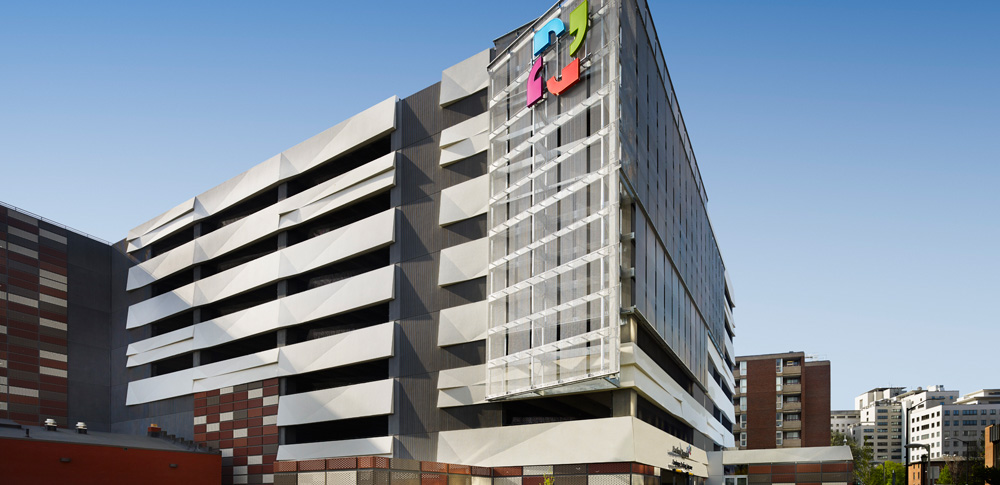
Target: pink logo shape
(535, 83)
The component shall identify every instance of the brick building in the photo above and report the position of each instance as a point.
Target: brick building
(55, 305)
(782, 401)
(992, 452)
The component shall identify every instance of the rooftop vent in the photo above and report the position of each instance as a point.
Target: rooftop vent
(81, 427)
(50, 424)
(153, 431)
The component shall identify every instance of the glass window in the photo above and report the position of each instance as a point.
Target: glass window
(778, 437)
(743, 367)
(778, 420)
(777, 363)
(779, 400)
(743, 440)
(777, 383)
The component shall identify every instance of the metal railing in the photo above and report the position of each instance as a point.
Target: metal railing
(54, 223)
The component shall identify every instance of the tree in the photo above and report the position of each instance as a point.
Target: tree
(864, 470)
(991, 475)
(838, 439)
(944, 478)
(888, 468)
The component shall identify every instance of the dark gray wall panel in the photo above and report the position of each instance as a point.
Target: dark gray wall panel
(88, 332)
(419, 233)
(464, 109)
(419, 169)
(421, 115)
(464, 231)
(464, 169)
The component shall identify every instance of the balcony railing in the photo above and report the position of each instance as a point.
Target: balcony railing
(791, 406)
(791, 425)
(796, 443)
(791, 388)
(791, 370)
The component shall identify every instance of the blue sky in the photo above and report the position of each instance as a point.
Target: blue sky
(849, 148)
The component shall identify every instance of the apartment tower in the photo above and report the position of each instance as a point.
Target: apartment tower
(782, 401)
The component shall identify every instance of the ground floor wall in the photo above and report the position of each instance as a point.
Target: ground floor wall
(395, 471)
(27, 461)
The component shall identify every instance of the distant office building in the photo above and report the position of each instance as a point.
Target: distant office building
(921, 398)
(782, 401)
(842, 420)
(876, 395)
(954, 429)
(880, 423)
(55, 323)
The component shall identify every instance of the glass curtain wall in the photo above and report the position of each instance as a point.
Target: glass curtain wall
(553, 229)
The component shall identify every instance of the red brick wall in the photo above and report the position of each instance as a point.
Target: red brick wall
(992, 451)
(33, 320)
(816, 404)
(242, 422)
(393, 471)
(761, 404)
(28, 461)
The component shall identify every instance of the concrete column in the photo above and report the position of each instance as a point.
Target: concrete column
(624, 402)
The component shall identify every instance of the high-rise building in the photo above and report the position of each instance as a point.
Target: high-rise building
(842, 420)
(511, 268)
(873, 396)
(953, 430)
(919, 399)
(782, 401)
(880, 423)
(55, 313)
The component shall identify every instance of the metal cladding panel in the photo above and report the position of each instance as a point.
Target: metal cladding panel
(332, 449)
(352, 239)
(354, 185)
(465, 200)
(553, 225)
(367, 125)
(368, 399)
(641, 372)
(462, 386)
(366, 289)
(463, 262)
(465, 139)
(463, 323)
(465, 78)
(347, 348)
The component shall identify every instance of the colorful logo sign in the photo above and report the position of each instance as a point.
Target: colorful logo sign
(570, 74)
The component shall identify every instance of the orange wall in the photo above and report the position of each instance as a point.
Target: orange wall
(29, 461)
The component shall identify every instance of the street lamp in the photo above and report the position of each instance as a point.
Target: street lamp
(966, 458)
(926, 460)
